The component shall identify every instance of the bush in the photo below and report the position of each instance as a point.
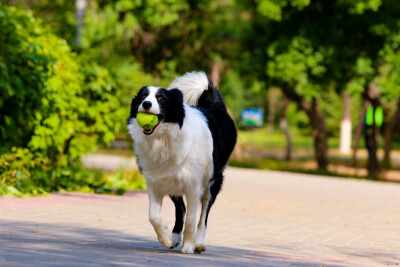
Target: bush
(22, 173)
(24, 69)
(55, 105)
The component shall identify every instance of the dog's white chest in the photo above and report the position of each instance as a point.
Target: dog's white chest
(174, 159)
(173, 185)
(177, 174)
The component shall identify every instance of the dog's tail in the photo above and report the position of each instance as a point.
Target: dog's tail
(198, 90)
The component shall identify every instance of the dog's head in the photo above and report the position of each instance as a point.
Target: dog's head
(166, 104)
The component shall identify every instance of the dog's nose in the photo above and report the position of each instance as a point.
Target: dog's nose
(146, 105)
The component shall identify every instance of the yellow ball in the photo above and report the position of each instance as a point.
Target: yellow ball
(146, 121)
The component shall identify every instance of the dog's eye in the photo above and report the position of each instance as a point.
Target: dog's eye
(160, 99)
(142, 97)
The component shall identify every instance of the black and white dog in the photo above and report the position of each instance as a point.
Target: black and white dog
(184, 154)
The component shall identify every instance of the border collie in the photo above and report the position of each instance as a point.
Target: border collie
(184, 154)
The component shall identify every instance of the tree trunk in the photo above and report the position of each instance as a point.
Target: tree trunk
(390, 128)
(285, 127)
(271, 116)
(345, 126)
(29, 4)
(357, 135)
(373, 96)
(215, 73)
(273, 96)
(320, 135)
(317, 121)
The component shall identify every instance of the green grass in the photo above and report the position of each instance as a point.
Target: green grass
(295, 166)
(267, 146)
(260, 138)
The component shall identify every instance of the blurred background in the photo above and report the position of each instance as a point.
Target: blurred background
(313, 85)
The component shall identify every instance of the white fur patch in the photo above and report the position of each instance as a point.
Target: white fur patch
(192, 85)
(176, 239)
(187, 248)
(155, 107)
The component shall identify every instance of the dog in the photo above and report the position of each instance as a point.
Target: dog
(185, 153)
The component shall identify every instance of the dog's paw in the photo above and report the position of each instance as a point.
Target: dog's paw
(176, 239)
(166, 240)
(199, 248)
(187, 248)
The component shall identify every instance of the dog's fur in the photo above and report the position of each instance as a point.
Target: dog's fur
(184, 155)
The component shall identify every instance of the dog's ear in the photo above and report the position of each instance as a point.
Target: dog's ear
(175, 94)
(136, 101)
(134, 106)
(175, 110)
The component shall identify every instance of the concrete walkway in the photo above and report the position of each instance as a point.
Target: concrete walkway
(108, 162)
(261, 218)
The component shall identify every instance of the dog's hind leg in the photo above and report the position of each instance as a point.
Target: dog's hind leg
(201, 226)
(161, 228)
(180, 211)
(214, 190)
(207, 201)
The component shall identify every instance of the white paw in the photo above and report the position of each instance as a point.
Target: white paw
(176, 239)
(165, 236)
(187, 248)
(165, 240)
(199, 248)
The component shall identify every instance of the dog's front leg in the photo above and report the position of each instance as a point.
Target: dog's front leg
(192, 199)
(161, 228)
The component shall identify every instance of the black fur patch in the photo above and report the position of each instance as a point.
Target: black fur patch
(136, 101)
(210, 96)
(180, 211)
(172, 108)
(223, 131)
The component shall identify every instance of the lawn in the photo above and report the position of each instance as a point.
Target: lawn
(263, 150)
(260, 138)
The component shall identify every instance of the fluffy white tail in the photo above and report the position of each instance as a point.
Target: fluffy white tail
(192, 85)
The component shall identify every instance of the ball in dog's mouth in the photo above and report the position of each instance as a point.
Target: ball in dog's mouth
(150, 131)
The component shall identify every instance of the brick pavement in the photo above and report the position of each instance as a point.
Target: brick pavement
(261, 218)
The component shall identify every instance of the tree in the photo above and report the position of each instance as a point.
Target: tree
(311, 49)
(388, 81)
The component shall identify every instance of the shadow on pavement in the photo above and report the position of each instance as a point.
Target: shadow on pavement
(33, 244)
(381, 258)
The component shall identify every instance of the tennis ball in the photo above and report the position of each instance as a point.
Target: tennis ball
(146, 121)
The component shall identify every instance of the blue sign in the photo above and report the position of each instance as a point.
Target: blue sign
(252, 117)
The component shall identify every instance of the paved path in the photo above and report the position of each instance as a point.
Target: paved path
(109, 162)
(261, 218)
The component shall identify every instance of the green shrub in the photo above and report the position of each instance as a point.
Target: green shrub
(54, 105)
(53, 102)
(16, 169)
(24, 69)
(22, 173)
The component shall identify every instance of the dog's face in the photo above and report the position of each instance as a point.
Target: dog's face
(166, 104)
